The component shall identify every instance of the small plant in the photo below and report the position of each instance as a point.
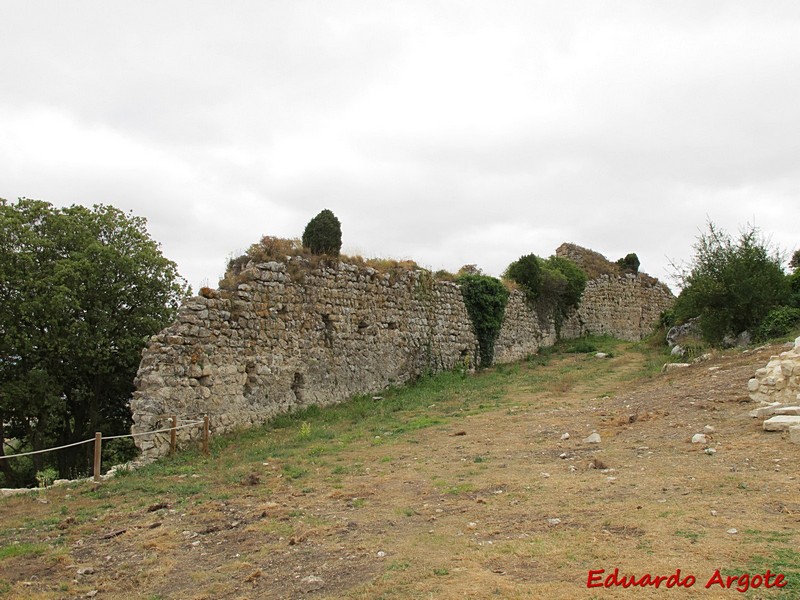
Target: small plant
(305, 431)
(46, 477)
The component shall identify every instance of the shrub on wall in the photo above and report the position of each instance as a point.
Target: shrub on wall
(323, 234)
(553, 286)
(630, 263)
(485, 298)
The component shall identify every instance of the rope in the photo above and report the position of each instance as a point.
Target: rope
(47, 449)
(110, 437)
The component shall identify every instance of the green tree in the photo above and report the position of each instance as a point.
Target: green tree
(81, 290)
(527, 272)
(731, 285)
(552, 286)
(323, 234)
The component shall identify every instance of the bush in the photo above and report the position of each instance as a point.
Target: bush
(485, 298)
(779, 322)
(731, 286)
(630, 263)
(527, 272)
(553, 286)
(323, 234)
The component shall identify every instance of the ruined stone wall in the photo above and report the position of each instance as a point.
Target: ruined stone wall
(621, 304)
(626, 306)
(292, 334)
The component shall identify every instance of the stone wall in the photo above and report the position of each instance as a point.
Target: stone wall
(292, 334)
(620, 304)
(779, 380)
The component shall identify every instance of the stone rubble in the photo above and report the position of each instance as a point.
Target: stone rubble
(776, 387)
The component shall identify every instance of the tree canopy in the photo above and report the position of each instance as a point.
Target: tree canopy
(81, 290)
(731, 285)
(323, 234)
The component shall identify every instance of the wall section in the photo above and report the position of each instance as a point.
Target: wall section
(292, 334)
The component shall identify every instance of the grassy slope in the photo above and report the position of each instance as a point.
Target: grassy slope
(446, 488)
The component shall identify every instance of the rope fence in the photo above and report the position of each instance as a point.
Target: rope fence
(98, 441)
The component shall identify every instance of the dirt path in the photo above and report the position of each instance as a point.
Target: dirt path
(489, 502)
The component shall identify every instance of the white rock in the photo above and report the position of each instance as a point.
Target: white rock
(708, 429)
(765, 411)
(699, 438)
(673, 366)
(710, 451)
(733, 531)
(554, 521)
(565, 436)
(787, 410)
(752, 385)
(601, 355)
(794, 434)
(781, 423)
(594, 438)
(676, 351)
(381, 554)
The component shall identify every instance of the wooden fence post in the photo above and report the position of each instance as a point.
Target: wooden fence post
(173, 435)
(98, 448)
(205, 434)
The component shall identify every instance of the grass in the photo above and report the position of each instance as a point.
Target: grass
(446, 478)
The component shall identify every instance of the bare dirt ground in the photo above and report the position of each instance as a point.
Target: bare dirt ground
(483, 501)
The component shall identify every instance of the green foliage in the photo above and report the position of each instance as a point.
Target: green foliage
(46, 477)
(794, 285)
(80, 292)
(794, 263)
(731, 285)
(779, 322)
(554, 285)
(630, 263)
(485, 298)
(527, 272)
(323, 234)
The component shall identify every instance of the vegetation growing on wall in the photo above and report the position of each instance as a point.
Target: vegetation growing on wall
(485, 298)
(552, 286)
(630, 263)
(323, 234)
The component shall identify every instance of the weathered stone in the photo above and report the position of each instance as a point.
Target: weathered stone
(699, 438)
(294, 334)
(781, 423)
(765, 411)
(794, 434)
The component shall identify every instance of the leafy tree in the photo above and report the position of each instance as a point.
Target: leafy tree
(81, 290)
(794, 264)
(630, 263)
(553, 286)
(731, 285)
(527, 272)
(485, 298)
(323, 234)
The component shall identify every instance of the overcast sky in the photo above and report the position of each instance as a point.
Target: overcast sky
(449, 132)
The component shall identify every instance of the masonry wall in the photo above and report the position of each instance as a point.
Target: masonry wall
(290, 335)
(625, 306)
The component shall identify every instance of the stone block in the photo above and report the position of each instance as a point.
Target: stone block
(781, 423)
(794, 434)
(765, 411)
(788, 410)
